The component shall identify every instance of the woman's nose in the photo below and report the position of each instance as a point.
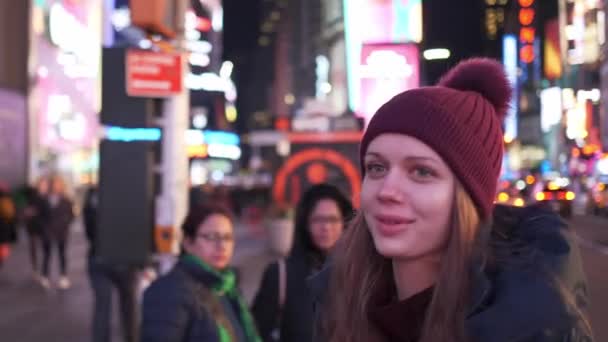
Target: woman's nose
(390, 188)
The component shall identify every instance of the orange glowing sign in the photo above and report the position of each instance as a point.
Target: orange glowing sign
(526, 54)
(197, 151)
(316, 171)
(527, 33)
(526, 16)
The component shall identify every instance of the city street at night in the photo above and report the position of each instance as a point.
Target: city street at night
(179, 170)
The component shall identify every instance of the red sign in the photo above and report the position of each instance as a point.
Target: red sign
(153, 74)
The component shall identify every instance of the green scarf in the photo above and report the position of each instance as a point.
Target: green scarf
(227, 287)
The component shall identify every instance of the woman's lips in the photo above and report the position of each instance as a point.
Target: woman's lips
(389, 225)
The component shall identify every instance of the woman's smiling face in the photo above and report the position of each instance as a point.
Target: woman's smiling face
(406, 197)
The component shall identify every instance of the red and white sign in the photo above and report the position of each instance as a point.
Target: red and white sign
(153, 74)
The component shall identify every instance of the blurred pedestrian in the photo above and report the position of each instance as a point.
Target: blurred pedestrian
(8, 220)
(199, 299)
(423, 262)
(56, 232)
(105, 278)
(36, 215)
(282, 307)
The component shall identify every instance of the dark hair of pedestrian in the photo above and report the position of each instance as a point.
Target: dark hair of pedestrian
(198, 215)
(303, 242)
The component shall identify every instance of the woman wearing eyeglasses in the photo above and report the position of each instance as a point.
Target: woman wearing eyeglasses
(199, 300)
(282, 307)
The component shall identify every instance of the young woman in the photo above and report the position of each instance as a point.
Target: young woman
(199, 299)
(422, 262)
(320, 220)
(56, 232)
(36, 215)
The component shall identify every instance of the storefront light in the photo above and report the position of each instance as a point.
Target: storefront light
(199, 59)
(231, 113)
(593, 95)
(221, 137)
(602, 166)
(199, 121)
(232, 152)
(193, 35)
(116, 133)
(568, 99)
(433, 54)
(121, 18)
(194, 137)
(200, 46)
(226, 69)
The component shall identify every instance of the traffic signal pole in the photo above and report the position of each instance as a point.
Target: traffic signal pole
(172, 203)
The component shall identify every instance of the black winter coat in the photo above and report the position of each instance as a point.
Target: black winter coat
(59, 220)
(296, 315)
(40, 206)
(177, 309)
(514, 298)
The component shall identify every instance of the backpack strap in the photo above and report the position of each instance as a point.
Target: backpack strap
(282, 268)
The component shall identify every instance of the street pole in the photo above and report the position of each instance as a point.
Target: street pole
(172, 204)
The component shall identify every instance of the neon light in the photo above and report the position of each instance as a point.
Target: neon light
(527, 33)
(526, 54)
(526, 16)
(510, 61)
(194, 137)
(551, 108)
(115, 133)
(432, 54)
(224, 151)
(353, 48)
(221, 138)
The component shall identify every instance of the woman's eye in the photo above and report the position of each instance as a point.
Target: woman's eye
(423, 172)
(375, 168)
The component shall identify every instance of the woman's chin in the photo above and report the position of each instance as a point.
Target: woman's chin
(390, 249)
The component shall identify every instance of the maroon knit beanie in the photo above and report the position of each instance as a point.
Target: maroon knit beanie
(460, 118)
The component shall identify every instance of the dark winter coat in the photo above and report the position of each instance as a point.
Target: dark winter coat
(89, 215)
(514, 298)
(60, 218)
(177, 308)
(297, 315)
(305, 259)
(40, 207)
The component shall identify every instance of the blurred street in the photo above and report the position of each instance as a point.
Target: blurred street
(33, 314)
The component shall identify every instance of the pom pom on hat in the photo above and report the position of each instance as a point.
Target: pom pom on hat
(484, 76)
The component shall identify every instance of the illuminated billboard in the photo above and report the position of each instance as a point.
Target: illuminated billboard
(379, 22)
(553, 58)
(509, 59)
(385, 70)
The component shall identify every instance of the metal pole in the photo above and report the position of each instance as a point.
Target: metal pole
(172, 203)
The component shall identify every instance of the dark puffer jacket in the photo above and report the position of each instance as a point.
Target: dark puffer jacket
(514, 296)
(177, 309)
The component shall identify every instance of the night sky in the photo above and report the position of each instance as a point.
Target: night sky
(241, 27)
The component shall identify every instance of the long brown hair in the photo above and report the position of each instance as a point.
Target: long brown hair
(359, 273)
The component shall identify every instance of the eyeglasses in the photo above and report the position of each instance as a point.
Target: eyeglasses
(333, 220)
(216, 238)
